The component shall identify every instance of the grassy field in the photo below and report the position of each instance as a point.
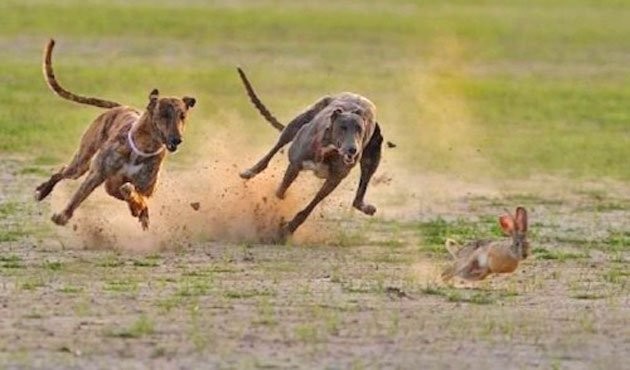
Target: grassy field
(492, 104)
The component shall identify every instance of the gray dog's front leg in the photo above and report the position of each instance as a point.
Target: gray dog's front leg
(369, 163)
(299, 219)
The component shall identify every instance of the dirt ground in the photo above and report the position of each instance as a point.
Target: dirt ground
(347, 292)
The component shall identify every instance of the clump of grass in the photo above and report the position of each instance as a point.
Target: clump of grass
(617, 241)
(110, 261)
(193, 287)
(556, 254)
(307, 333)
(52, 265)
(587, 295)
(145, 263)
(11, 261)
(435, 232)
(70, 289)
(242, 294)
(475, 296)
(617, 276)
(266, 313)
(32, 284)
(141, 327)
(121, 286)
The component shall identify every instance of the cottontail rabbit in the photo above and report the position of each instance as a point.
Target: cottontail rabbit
(478, 259)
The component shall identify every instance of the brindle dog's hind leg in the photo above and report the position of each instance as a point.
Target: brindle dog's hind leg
(93, 180)
(287, 136)
(78, 167)
(369, 163)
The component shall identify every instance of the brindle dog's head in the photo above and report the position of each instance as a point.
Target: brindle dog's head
(346, 134)
(169, 117)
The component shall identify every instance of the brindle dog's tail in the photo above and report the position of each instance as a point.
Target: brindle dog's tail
(49, 75)
(257, 103)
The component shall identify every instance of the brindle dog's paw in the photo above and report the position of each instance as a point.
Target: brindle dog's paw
(126, 190)
(368, 209)
(247, 174)
(60, 219)
(144, 219)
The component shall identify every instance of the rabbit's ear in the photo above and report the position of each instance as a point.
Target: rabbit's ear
(507, 224)
(521, 219)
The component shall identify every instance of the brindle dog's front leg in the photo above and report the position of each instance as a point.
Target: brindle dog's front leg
(369, 163)
(143, 186)
(137, 203)
(330, 185)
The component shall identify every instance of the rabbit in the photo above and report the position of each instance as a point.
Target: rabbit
(478, 259)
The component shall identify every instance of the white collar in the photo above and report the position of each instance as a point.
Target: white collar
(133, 146)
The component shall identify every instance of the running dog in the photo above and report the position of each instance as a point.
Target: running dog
(329, 138)
(123, 148)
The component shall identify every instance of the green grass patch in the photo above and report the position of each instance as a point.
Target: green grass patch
(143, 326)
(52, 265)
(556, 254)
(435, 232)
(499, 88)
(248, 293)
(121, 286)
(474, 296)
(11, 261)
(146, 262)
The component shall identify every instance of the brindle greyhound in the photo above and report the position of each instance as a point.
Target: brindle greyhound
(328, 138)
(122, 148)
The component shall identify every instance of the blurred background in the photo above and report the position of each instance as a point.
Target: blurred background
(504, 89)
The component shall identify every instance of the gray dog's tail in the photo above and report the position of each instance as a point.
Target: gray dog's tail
(257, 103)
(49, 75)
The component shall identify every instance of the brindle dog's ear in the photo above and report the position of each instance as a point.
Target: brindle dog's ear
(190, 102)
(153, 98)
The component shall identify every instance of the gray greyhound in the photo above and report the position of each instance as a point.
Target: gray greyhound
(329, 138)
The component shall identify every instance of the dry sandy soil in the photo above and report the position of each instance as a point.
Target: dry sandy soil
(347, 292)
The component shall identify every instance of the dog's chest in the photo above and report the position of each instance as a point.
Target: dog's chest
(132, 168)
(320, 169)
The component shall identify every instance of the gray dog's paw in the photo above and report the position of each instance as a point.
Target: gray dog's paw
(368, 209)
(247, 174)
(60, 219)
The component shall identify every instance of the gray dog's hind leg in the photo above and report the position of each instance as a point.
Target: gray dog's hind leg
(292, 172)
(369, 163)
(287, 135)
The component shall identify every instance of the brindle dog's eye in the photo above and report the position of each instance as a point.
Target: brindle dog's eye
(344, 128)
(182, 116)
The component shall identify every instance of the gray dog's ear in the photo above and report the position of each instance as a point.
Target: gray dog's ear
(189, 101)
(153, 97)
(335, 114)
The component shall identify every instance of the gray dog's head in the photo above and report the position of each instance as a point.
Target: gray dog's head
(346, 134)
(169, 117)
